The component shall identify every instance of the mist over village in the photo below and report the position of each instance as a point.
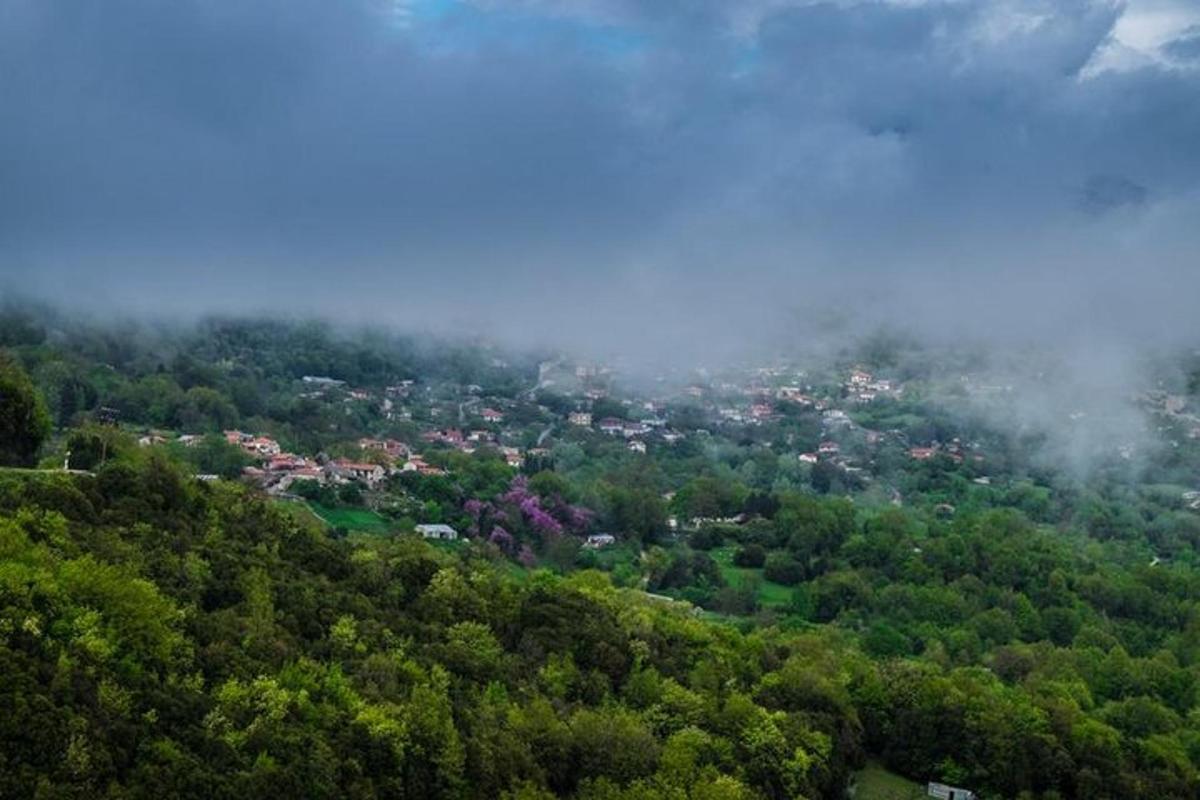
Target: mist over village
(600, 399)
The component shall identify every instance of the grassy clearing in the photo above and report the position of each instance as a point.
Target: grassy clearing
(301, 512)
(876, 783)
(769, 592)
(355, 520)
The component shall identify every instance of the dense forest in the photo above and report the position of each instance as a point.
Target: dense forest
(165, 637)
(1033, 636)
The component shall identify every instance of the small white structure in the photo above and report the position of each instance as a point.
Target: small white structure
(943, 792)
(321, 380)
(437, 531)
(599, 540)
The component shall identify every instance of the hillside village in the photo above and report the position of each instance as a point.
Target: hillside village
(848, 430)
(506, 426)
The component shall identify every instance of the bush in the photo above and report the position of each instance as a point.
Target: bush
(884, 641)
(752, 555)
(782, 568)
(706, 538)
(737, 600)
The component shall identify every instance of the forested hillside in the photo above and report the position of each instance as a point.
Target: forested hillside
(165, 637)
(709, 616)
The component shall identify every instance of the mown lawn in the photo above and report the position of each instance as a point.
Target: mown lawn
(769, 592)
(876, 783)
(353, 519)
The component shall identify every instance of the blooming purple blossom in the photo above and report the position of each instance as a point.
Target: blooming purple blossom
(578, 517)
(541, 520)
(518, 491)
(502, 539)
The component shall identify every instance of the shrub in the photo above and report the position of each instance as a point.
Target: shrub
(782, 568)
(752, 555)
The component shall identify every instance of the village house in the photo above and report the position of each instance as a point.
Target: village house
(836, 418)
(631, 429)
(492, 415)
(809, 458)
(263, 446)
(597, 541)
(512, 456)
(418, 465)
(829, 448)
(731, 414)
(448, 436)
(345, 470)
(151, 439)
(580, 418)
(392, 448)
(761, 411)
(922, 453)
(285, 480)
(637, 446)
(286, 462)
(612, 425)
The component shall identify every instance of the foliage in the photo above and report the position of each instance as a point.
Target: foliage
(24, 419)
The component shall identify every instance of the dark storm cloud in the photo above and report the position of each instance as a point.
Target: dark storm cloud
(644, 167)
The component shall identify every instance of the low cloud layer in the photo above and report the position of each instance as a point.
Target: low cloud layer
(646, 175)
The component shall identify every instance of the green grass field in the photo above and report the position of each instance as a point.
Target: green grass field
(354, 520)
(876, 783)
(769, 592)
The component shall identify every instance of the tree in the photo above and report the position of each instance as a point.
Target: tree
(215, 456)
(752, 555)
(782, 568)
(24, 420)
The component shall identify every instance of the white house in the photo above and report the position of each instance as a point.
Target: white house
(599, 540)
(437, 531)
(943, 792)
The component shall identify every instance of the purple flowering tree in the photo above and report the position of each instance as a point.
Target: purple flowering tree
(518, 513)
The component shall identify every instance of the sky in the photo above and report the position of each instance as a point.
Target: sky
(643, 175)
